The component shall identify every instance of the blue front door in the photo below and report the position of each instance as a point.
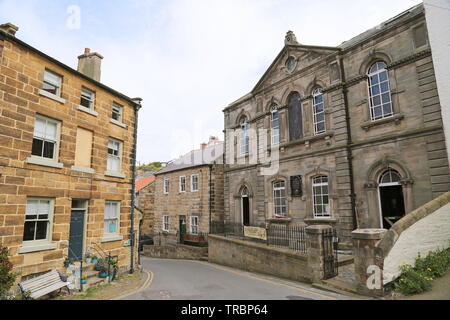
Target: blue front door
(76, 235)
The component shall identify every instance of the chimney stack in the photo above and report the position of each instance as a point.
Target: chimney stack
(90, 64)
(9, 28)
(203, 146)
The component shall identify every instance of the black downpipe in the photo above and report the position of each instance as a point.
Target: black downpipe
(133, 170)
(210, 199)
(349, 143)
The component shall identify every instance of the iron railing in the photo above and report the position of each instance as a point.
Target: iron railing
(280, 236)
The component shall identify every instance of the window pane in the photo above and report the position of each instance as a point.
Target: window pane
(28, 232)
(50, 88)
(50, 130)
(52, 78)
(384, 87)
(49, 148)
(36, 149)
(386, 97)
(41, 230)
(383, 76)
(374, 80)
(376, 89)
(387, 109)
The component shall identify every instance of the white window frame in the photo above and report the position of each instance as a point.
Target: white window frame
(315, 196)
(245, 143)
(166, 224)
(47, 240)
(182, 184)
(192, 183)
(56, 142)
(57, 84)
(90, 96)
(115, 157)
(380, 94)
(193, 225)
(166, 186)
(277, 195)
(120, 108)
(107, 234)
(275, 130)
(318, 93)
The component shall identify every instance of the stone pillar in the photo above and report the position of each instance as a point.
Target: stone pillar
(369, 261)
(315, 251)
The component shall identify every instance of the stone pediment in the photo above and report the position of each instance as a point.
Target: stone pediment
(291, 59)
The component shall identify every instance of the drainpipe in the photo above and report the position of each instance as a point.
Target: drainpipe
(349, 143)
(210, 198)
(137, 106)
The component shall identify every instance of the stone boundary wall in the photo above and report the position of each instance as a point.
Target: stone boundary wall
(260, 258)
(175, 252)
(423, 230)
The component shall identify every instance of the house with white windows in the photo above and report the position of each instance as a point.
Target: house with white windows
(189, 193)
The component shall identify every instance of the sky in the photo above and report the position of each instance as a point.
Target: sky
(188, 59)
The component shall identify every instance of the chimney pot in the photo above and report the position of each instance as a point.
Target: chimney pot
(9, 28)
(90, 64)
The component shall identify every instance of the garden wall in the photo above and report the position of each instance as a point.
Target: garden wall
(175, 252)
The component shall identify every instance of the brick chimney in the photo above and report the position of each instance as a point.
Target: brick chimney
(9, 28)
(90, 64)
(203, 146)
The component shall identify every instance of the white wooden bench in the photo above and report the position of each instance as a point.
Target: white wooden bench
(44, 284)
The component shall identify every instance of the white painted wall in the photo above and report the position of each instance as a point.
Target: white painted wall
(437, 14)
(428, 234)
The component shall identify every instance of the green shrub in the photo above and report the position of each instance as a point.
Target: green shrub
(7, 277)
(419, 278)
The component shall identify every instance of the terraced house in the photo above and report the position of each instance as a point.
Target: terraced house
(358, 129)
(66, 160)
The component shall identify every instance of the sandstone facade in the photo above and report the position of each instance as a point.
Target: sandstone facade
(22, 100)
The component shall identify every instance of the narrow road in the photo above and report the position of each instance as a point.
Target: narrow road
(193, 280)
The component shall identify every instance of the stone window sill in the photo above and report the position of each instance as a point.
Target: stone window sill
(114, 174)
(326, 136)
(320, 220)
(87, 110)
(45, 162)
(395, 118)
(112, 237)
(85, 170)
(52, 96)
(27, 248)
(118, 123)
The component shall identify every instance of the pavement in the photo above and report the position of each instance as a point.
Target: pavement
(195, 280)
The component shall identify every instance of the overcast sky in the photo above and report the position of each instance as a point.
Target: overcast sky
(188, 59)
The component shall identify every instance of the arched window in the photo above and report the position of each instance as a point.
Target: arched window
(279, 198)
(318, 112)
(295, 117)
(275, 125)
(320, 197)
(379, 92)
(244, 137)
(390, 177)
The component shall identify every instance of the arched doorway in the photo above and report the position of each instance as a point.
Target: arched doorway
(245, 207)
(392, 204)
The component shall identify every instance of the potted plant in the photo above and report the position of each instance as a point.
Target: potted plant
(99, 265)
(88, 258)
(94, 259)
(113, 268)
(84, 279)
(103, 271)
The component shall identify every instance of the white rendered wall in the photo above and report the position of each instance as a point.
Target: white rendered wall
(428, 234)
(438, 23)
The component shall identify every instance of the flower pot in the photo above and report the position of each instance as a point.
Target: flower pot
(88, 260)
(103, 274)
(94, 260)
(83, 281)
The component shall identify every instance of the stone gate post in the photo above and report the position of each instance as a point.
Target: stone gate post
(315, 251)
(369, 261)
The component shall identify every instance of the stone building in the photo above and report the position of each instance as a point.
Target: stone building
(145, 202)
(66, 160)
(356, 128)
(189, 191)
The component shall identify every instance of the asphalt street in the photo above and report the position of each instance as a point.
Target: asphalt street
(194, 280)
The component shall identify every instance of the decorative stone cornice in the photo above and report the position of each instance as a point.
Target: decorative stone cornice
(409, 59)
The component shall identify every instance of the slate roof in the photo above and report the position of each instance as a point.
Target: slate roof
(211, 154)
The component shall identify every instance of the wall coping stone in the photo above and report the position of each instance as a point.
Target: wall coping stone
(315, 229)
(265, 247)
(368, 234)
